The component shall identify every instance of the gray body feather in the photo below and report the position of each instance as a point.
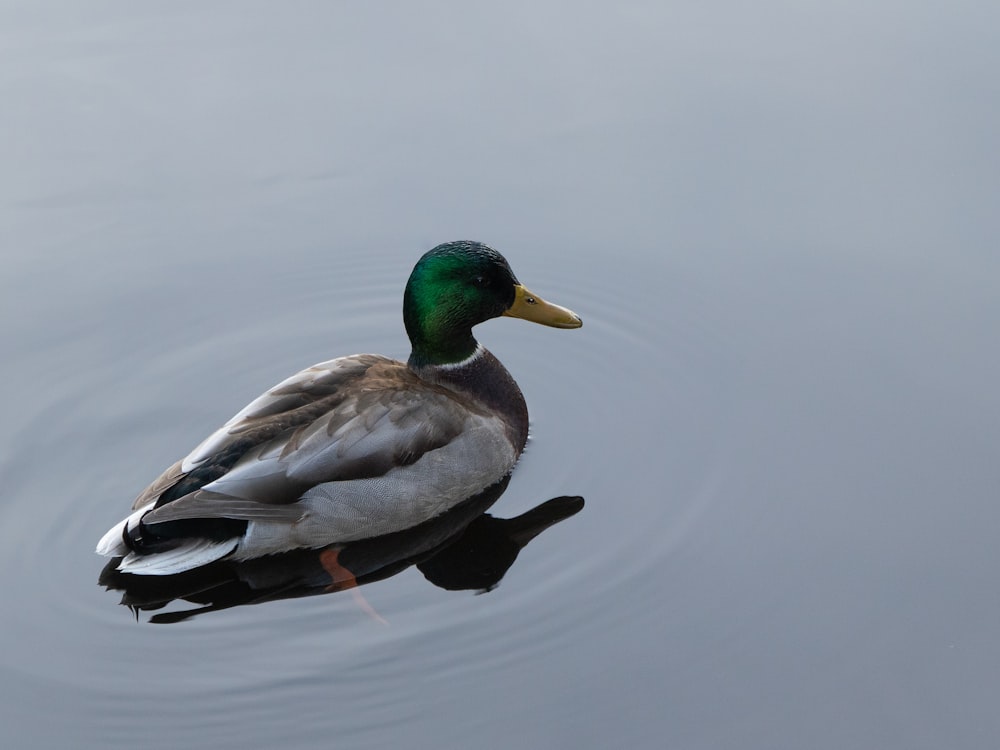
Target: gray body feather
(351, 448)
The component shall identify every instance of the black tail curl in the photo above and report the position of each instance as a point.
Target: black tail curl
(146, 539)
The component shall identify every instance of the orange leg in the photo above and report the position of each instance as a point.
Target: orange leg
(342, 579)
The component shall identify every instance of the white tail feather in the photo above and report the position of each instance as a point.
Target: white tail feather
(192, 553)
(112, 544)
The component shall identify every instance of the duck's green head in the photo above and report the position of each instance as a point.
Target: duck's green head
(457, 285)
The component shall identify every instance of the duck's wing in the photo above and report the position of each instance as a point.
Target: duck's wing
(351, 418)
(289, 405)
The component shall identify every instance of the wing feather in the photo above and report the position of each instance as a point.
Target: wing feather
(350, 418)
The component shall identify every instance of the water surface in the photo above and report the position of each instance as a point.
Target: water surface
(778, 224)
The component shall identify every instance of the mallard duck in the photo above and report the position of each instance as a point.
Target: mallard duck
(355, 447)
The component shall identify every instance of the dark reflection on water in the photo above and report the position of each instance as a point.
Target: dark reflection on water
(465, 548)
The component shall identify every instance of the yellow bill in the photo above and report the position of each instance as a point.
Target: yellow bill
(529, 306)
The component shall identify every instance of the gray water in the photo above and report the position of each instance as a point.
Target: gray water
(779, 224)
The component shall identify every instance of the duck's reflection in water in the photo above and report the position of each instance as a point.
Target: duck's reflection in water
(465, 548)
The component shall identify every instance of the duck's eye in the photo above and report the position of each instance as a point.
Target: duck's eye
(479, 281)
